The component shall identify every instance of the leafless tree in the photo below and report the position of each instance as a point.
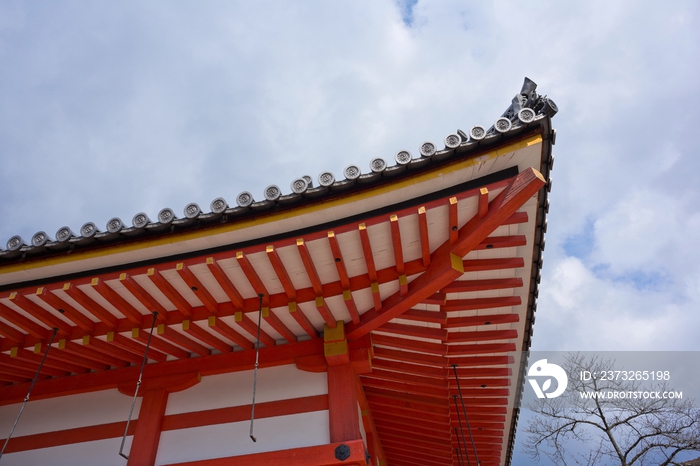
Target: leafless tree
(572, 429)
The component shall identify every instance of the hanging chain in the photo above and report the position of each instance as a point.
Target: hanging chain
(138, 384)
(29, 392)
(255, 371)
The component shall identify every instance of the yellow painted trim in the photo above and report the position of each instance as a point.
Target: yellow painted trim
(375, 287)
(337, 348)
(484, 191)
(292, 306)
(14, 351)
(236, 226)
(211, 321)
(37, 348)
(453, 200)
(331, 234)
(421, 210)
(347, 295)
(269, 249)
(403, 280)
(62, 344)
(457, 262)
(238, 316)
(86, 340)
(319, 301)
(266, 312)
(334, 334)
(66, 286)
(135, 332)
(393, 218)
(161, 329)
(185, 324)
(110, 336)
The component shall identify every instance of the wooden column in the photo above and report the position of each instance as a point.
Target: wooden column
(344, 420)
(342, 404)
(144, 448)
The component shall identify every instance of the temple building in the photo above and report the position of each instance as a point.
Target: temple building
(377, 319)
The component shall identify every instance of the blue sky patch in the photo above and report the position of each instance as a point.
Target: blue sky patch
(581, 244)
(406, 8)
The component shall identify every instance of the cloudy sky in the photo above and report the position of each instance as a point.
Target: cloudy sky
(112, 108)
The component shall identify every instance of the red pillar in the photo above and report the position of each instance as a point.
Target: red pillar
(342, 404)
(144, 448)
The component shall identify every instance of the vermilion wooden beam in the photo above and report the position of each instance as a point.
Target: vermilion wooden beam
(453, 219)
(438, 393)
(24, 323)
(417, 403)
(11, 333)
(406, 343)
(424, 236)
(410, 368)
(526, 184)
(206, 337)
(413, 379)
(121, 304)
(64, 328)
(483, 202)
(480, 303)
(176, 337)
(302, 320)
(91, 354)
(252, 276)
(466, 286)
(470, 361)
(91, 305)
(418, 315)
(325, 312)
(143, 296)
(338, 258)
(468, 372)
(322, 455)
(373, 444)
(135, 347)
(227, 331)
(251, 327)
(144, 447)
(159, 343)
(400, 414)
(170, 292)
(206, 365)
(486, 335)
(415, 331)
(275, 322)
(478, 265)
(9, 361)
(473, 321)
(8, 366)
(371, 269)
(35, 359)
(499, 242)
(111, 350)
(344, 278)
(481, 348)
(396, 243)
(344, 422)
(72, 358)
(225, 283)
(281, 272)
(414, 427)
(408, 356)
(13, 377)
(74, 315)
(197, 287)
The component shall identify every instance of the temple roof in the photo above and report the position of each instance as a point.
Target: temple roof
(432, 264)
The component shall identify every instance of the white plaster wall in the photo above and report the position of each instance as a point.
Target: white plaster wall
(100, 452)
(223, 440)
(67, 412)
(236, 389)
